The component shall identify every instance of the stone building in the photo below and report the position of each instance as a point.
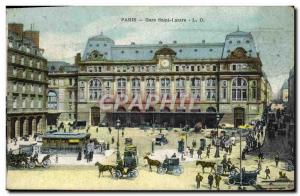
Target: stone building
(291, 93)
(284, 92)
(27, 79)
(193, 82)
(62, 94)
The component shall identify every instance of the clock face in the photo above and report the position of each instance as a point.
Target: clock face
(165, 63)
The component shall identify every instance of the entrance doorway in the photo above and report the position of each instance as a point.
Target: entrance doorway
(239, 117)
(95, 116)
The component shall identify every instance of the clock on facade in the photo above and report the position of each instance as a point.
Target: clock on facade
(165, 63)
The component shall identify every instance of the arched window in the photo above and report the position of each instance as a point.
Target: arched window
(150, 87)
(196, 88)
(52, 100)
(95, 89)
(180, 88)
(136, 87)
(121, 87)
(165, 84)
(210, 89)
(239, 89)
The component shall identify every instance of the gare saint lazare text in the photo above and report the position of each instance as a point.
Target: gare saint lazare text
(163, 20)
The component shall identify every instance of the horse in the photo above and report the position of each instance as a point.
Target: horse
(151, 162)
(206, 164)
(103, 168)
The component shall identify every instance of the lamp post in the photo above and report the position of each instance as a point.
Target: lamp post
(241, 175)
(217, 154)
(118, 123)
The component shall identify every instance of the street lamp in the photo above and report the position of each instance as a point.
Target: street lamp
(218, 119)
(118, 123)
(217, 154)
(241, 175)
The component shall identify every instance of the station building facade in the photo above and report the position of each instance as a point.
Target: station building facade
(218, 78)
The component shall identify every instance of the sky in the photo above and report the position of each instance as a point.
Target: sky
(64, 31)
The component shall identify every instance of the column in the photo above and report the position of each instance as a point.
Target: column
(173, 86)
(43, 124)
(17, 128)
(128, 88)
(142, 88)
(157, 86)
(34, 126)
(203, 95)
(187, 88)
(25, 127)
(8, 128)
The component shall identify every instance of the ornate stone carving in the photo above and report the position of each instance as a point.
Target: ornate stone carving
(238, 53)
(96, 56)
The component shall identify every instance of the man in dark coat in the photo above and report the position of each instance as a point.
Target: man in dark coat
(218, 179)
(208, 151)
(199, 153)
(210, 180)
(276, 160)
(199, 178)
(267, 171)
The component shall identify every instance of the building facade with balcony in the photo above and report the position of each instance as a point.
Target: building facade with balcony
(27, 79)
(193, 82)
(62, 94)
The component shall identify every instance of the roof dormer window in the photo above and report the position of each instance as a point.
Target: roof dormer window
(210, 50)
(136, 51)
(238, 41)
(105, 45)
(230, 42)
(247, 41)
(122, 51)
(90, 45)
(180, 50)
(97, 45)
(151, 51)
(195, 50)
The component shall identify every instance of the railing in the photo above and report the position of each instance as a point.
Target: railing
(60, 150)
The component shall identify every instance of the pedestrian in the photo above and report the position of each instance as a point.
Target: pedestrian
(122, 133)
(243, 155)
(199, 153)
(79, 155)
(229, 163)
(91, 155)
(267, 171)
(208, 151)
(260, 156)
(218, 179)
(174, 155)
(192, 152)
(109, 130)
(16, 140)
(97, 130)
(56, 158)
(199, 178)
(194, 143)
(112, 140)
(230, 149)
(259, 167)
(210, 180)
(277, 159)
(107, 146)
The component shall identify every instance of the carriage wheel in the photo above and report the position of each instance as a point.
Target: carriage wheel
(133, 174)
(252, 182)
(181, 169)
(31, 164)
(46, 163)
(117, 174)
(231, 181)
(176, 171)
(160, 170)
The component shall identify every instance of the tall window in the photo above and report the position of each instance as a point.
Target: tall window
(95, 89)
(254, 90)
(52, 100)
(180, 88)
(121, 87)
(224, 89)
(210, 89)
(165, 88)
(15, 102)
(136, 87)
(150, 87)
(196, 88)
(81, 90)
(239, 89)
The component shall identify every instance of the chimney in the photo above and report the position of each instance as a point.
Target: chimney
(17, 28)
(34, 36)
(203, 41)
(160, 42)
(174, 42)
(77, 58)
(132, 43)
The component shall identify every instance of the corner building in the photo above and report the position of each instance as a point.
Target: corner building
(224, 78)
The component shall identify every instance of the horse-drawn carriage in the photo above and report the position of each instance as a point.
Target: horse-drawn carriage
(161, 139)
(172, 166)
(27, 157)
(127, 167)
(248, 177)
